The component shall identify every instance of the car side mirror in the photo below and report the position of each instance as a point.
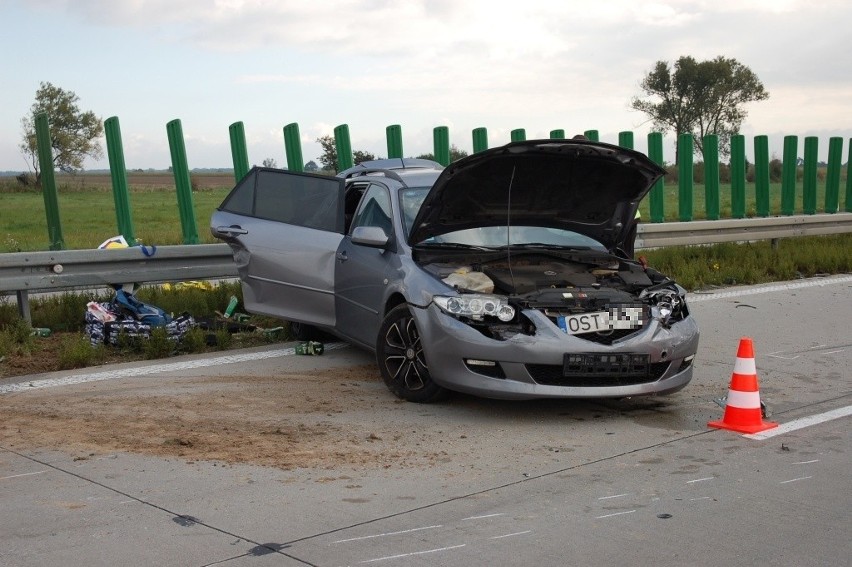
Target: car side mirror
(372, 236)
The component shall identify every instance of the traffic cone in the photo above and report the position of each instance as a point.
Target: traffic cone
(742, 409)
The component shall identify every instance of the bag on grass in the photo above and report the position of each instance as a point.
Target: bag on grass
(127, 304)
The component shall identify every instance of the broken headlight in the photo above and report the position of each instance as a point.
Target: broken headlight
(476, 306)
(667, 305)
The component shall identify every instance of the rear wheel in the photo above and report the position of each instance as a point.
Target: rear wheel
(401, 361)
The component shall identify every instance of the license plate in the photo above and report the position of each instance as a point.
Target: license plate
(606, 365)
(617, 318)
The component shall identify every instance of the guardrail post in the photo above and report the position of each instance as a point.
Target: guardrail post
(480, 140)
(761, 175)
(518, 135)
(788, 175)
(711, 176)
(593, 135)
(738, 176)
(809, 180)
(557, 134)
(394, 136)
(849, 179)
(293, 148)
(832, 177)
(183, 183)
(655, 152)
(48, 182)
(441, 144)
(344, 147)
(625, 139)
(118, 172)
(239, 151)
(685, 177)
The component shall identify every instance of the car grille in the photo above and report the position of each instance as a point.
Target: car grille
(553, 375)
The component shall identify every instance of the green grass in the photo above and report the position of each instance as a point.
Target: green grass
(697, 267)
(88, 218)
(87, 213)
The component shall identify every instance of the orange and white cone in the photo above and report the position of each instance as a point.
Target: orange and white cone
(742, 410)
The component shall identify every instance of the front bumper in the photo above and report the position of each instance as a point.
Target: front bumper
(530, 366)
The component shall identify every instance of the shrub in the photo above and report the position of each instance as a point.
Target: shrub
(76, 351)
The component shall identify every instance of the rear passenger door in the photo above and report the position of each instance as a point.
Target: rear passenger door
(284, 229)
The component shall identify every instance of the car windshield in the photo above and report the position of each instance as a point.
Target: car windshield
(411, 199)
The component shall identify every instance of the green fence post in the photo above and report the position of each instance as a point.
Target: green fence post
(183, 183)
(118, 172)
(239, 150)
(832, 177)
(761, 175)
(480, 140)
(685, 177)
(788, 175)
(344, 147)
(655, 152)
(48, 182)
(593, 135)
(625, 139)
(293, 147)
(557, 134)
(809, 180)
(441, 144)
(738, 176)
(518, 135)
(711, 176)
(394, 136)
(849, 179)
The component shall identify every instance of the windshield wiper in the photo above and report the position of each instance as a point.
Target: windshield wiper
(455, 245)
(543, 246)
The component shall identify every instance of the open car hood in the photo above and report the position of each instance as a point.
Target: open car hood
(587, 187)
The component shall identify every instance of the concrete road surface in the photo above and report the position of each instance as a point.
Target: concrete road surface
(639, 481)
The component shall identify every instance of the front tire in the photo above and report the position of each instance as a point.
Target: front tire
(399, 354)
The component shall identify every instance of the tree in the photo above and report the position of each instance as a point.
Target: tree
(455, 154)
(328, 159)
(74, 134)
(311, 166)
(359, 156)
(270, 162)
(699, 97)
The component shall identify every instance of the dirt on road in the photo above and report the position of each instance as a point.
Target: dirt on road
(285, 421)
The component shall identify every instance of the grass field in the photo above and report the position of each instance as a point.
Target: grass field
(87, 209)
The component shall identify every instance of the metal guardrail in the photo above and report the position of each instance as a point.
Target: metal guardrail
(24, 272)
(735, 230)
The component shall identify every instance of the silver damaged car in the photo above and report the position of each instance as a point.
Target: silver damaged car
(504, 275)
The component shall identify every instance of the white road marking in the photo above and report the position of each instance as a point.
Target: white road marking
(700, 498)
(613, 496)
(806, 462)
(796, 479)
(20, 475)
(510, 535)
(700, 479)
(481, 517)
(414, 553)
(386, 534)
(801, 423)
(616, 514)
(154, 369)
(756, 290)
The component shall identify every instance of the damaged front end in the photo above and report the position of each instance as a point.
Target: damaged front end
(596, 297)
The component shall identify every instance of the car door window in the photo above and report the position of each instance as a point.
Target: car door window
(311, 201)
(375, 210)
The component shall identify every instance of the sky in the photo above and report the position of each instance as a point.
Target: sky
(538, 65)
